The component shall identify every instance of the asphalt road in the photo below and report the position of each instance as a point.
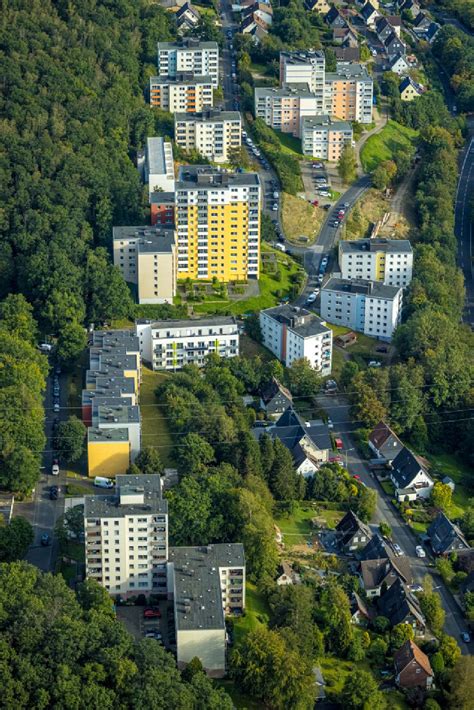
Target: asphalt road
(338, 410)
(464, 227)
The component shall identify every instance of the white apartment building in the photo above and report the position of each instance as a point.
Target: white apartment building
(189, 55)
(387, 260)
(183, 93)
(324, 137)
(159, 165)
(218, 223)
(169, 345)
(305, 67)
(126, 537)
(283, 109)
(369, 307)
(147, 257)
(349, 93)
(214, 134)
(206, 584)
(294, 333)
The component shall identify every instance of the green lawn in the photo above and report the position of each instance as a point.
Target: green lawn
(462, 475)
(250, 348)
(155, 430)
(290, 145)
(335, 672)
(383, 145)
(361, 352)
(257, 613)
(296, 529)
(388, 487)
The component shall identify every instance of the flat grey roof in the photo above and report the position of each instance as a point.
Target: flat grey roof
(159, 238)
(108, 400)
(124, 384)
(300, 320)
(325, 120)
(374, 289)
(187, 43)
(205, 116)
(106, 396)
(162, 198)
(118, 414)
(107, 435)
(189, 323)
(107, 372)
(207, 177)
(302, 56)
(182, 78)
(374, 245)
(348, 71)
(108, 506)
(127, 362)
(159, 162)
(301, 90)
(198, 596)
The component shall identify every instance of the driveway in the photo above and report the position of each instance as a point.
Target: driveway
(338, 410)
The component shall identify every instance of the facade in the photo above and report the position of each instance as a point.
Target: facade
(189, 55)
(214, 134)
(324, 137)
(168, 345)
(147, 257)
(389, 261)
(291, 334)
(369, 14)
(283, 109)
(205, 583)
(366, 306)
(187, 18)
(382, 573)
(183, 93)
(445, 537)
(108, 452)
(119, 415)
(412, 667)
(218, 224)
(409, 476)
(159, 165)
(409, 89)
(275, 399)
(162, 208)
(126, 537)
(399, 65)
(400, 606)
(352, 532)
(384, 443)
(394, 45)
(349, 93)
(304, 67)
(321, 6)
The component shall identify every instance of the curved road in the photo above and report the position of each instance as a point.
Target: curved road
(464, 227)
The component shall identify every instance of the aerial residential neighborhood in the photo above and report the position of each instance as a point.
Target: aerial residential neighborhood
(237, 462)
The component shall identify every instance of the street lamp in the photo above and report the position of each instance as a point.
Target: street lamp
(346, 452)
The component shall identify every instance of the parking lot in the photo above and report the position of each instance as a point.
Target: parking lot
(161, 627)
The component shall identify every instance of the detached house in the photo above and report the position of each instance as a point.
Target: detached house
(352, 532)
(384, 443)
(187, 18)
(317, 6)
(369, 14)
(377, 575)
(394, 45)
(409, 89)
(275, 399)
(412, 667)
(334, 18)
(399, 65)
(375, 549)
(445, 537)
(421, 23)
(383, 28)
(409, 476)
(401, 607)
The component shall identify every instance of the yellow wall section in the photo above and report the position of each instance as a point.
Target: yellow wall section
(380, 266)
(108, 459)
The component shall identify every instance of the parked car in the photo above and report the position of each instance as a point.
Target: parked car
(152, 613)
(356, 476)
(55, 469)
(339, 444)
(56, 407)
(330, 424)
(398, 550)
(53, 493)
(466, 637)
(382, 349)
(346, 204)
(323, 193)
(415, 588)
(420, 551)
(375, 363)
(275, 207)
(45, 540)
(311, 298)
(327, 206)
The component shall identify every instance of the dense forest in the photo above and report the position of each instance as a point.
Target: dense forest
(454, 50)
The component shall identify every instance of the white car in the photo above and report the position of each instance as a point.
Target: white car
(330, 424)
(415, 588)
(398, 550)
(375, 363)
(56, 407)
(323, 193)
(420, 551)
(311, 298)
(55, 469)
(275, 208)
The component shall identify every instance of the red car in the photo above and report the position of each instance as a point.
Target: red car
(152, 614)
(339, 444)
(356, 476)
(335, 459)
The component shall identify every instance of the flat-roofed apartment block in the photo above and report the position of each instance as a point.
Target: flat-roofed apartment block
(126, 537)
(108, 451)
(189, 55)
(294, 333)
(111, 393)
(387, 260)
(324, 137)
(159, 165)
(147, 257)
(369, 307)
(162, 208)
(169, 345)
(184, 93)
(117, 362)
(218, 224)
(214, 134)
(205, 584)
(283, 109)
(119, 416)
(349, 93)
(305, 67)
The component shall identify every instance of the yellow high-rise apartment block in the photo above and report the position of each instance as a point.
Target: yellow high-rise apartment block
(217, 224)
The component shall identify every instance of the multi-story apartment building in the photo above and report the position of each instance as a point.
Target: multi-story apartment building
(108, 451)
(387, 260)
(189, 55)
(218, 224)
(305, 67)
(162, 208)
(294, 333)
(214, 134)
(119, 415)
(205, 584)
(159, 165)
(283, 109)
(147, 257)
(107, 389)
(324, 137)
(369, 307)
(349, 93)
(183, 93)
(168, 345)
(126, 537)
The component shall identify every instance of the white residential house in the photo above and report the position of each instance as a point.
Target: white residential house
(410, 477)
(189, 55)
(389, 261)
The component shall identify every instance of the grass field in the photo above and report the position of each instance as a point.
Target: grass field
(155, 430)
(382, 146)
(300, 218)
(462, 475)
(290, 145)
(250, 348)
(369, 209)
(257, 613)
(297, 529)
(361, 352)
